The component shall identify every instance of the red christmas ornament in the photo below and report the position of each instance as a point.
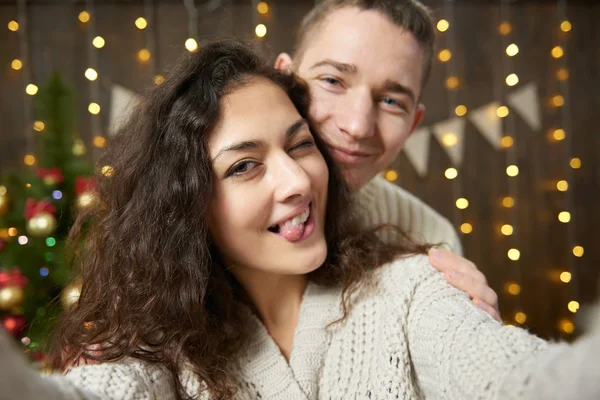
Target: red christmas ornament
(33, 208)
(13, 277)
(84, 184)
(50, 176)
(14, 324)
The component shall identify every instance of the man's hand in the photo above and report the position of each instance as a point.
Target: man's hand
(464, 275)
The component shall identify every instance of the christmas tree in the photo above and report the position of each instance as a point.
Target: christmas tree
(38, 204)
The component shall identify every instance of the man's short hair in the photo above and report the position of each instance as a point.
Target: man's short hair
(410, 15)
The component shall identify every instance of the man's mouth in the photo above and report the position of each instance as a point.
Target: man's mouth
(347, 156)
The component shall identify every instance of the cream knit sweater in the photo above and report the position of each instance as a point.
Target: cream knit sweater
(409, 335)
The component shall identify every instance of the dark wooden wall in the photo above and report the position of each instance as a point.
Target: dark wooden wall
(58, 41)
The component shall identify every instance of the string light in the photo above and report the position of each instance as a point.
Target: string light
(451, 173)
(12, 232)
(143, 55)
(558, 134)
(98, 42)
(507, 142)
(512, 79)
(29, 159)
(460, 110)
(466, 228)
(565, 277)
(94, 108)
(513, 288)
(452, 82)
(512, 50)
(260, 30)
(462, 203)
(557, 52)
(502, 111)
(31, 89)
(573, 306)
(562, 186)
(566, 326)
(512, 171)
(141, 23)
(520, 317)
(13, 26)
(99, 141)
(391, 175)
(443, 25)
(575, 163)
(508, 202)
(562, 74)
(262, 8)
(558, 101)
(159, 79)
(39, 126)
(504, 28)
(16, 64)
(191, 45)
(91, 74)
(444, 55)
(514, 254)
(578, 251)
(449, 139)
(565, 26)
(564, 217)
(84, 16)
(507, 230)
(22, 240)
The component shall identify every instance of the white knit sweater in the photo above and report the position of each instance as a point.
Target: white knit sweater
(408, 335)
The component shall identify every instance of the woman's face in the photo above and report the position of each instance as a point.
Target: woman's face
(267, 211)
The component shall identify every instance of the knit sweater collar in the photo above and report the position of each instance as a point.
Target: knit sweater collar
(262, 363)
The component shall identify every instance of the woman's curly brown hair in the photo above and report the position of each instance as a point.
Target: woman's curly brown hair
(153, 288)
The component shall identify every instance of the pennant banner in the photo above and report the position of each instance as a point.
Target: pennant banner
(416, 149)
(451, 135)
(526, 103)
(488, 123)
(123, 101)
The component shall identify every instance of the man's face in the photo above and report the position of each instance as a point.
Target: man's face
(364, 75)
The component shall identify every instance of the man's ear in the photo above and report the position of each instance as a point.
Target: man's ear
(283, 63)
(418, 117)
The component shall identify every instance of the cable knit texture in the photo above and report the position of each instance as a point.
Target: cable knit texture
(382, 202)
(408, 335)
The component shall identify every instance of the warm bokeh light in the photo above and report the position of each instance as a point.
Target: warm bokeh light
(562, 74)
(391, 175)
(94, 108)
(566, 326)
(558, 101)
(575, 163)
(262, 8)
(562, 185)
(451, 173)
(91, 74)
(444, 55)
(565, 277)
(564, 217)
(513, 288)
(143, 55)
(98, 42)
(31, 89)
(16, 64)
(462, 203)
(141, 23)
(12, 232)
(13, 26)
(449, 139)
(39, 126)
(460, 110)
(508, 202)
(260, 30)
(443, 25)
(512, 50)
(29, 159)
(159, 79)
(504, 28)
(507, 142)
(466, 228)
(558, 134)
(565, 26)
(507, 230)
(84, 16)
(512, 80)
(514, 254)
(107, 170)
(557, 52)
(502, 111)
(573, 306)
(520, 317)
(99, 141)
(578, 251)
(512, 171)
(191, 45)
(452, 82)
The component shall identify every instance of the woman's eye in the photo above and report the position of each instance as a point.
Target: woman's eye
(241, 168)
(305, 144)
(331, 81)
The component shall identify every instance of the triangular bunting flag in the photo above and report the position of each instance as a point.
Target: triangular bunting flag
(488, 123)
(451, 134)
(526, 103)
(416, 149)
(123, 101)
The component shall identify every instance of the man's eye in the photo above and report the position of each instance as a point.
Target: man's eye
(391, 102)
(242, 168)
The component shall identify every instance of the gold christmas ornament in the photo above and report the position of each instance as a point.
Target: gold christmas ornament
(10, 297)
(43, 224)
(78, 148)
(85, 200)
(70, 294)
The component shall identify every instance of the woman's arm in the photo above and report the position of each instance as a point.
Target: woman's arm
(460, 352)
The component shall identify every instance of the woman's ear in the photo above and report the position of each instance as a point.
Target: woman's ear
(283, 63)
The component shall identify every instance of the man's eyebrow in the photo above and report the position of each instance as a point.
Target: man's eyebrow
(255, 144)
(342, 67)
(393, 86)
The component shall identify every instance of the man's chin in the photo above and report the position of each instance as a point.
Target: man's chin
(355, 177)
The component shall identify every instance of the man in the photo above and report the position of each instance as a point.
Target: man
(366, 63)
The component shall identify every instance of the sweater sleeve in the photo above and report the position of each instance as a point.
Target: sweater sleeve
(382, 202)
(460, 352)
(128, 380)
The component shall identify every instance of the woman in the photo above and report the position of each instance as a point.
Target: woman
(223, 261)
